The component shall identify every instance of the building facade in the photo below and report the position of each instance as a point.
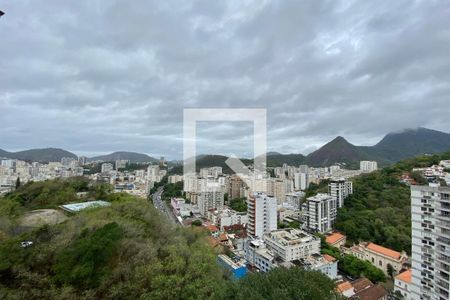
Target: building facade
(320, 212)
(210, 198)
(262, 214)
(430, 207)
(339, 189)
(368, 166)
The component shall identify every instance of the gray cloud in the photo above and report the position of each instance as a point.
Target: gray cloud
(100, 76)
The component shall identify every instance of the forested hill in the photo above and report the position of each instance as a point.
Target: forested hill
(380, 208)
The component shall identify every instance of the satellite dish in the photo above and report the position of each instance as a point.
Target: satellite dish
(1, 13)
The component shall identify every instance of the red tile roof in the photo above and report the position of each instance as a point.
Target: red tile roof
(361, 284)
(212, 228)
(334, 237)
(384, 251)
(329, 257)
(405, 276)
(344, 286)
(375, 292)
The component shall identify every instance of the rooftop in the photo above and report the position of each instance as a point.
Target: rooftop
(334, 237)
(329, 258)
(372, 293)
(76, 207)
(344, 286)
(212, 228)
(319, 197)
(405, 276)
(289, 236)
(384, 251)
(361, 284)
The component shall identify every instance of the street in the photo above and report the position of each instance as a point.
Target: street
(162, 206)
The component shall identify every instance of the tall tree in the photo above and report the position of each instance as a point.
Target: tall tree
(18, 183)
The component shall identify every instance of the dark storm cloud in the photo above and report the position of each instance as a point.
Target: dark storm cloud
(99, 76)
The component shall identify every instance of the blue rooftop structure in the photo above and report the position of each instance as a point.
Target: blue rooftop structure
(237, 267)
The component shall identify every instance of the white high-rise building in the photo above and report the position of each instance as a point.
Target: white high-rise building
(82, 160)
(213, 171)
(152, 171)
(301, 181)
(262, 214)
(430, 208)
(320, 212)
(368, 166)
(121, 164)
(303, 169)
(107, 167)
(339, 189)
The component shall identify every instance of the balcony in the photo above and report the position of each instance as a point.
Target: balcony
(443, 284)
(443, 224)
(443, 258)
(444, 240)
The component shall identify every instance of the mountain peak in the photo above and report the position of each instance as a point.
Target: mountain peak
(339, 139)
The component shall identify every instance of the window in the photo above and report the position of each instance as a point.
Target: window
(380, 263)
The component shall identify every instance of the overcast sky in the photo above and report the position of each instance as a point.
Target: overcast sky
(100, 76)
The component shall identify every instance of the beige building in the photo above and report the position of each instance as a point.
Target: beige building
(379, 256)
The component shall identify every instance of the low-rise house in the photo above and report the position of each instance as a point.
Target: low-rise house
(402, 284)
(325, 264)
(258, 256)
(346, 289)
(375, 292)
(336, 239)
(213, 230)
(362, 289)
(227, 217)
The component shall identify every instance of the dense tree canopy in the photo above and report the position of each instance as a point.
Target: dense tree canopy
(238, 204)
(281, 283)
(173, 190)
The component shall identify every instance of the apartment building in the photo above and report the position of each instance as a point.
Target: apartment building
(262, 214)
(235, 188)
(368, 166)
(107, 167)
(430, 207)
(339, 189)
(301, 181)
(210, 198)
(292, 244)
(320, 212)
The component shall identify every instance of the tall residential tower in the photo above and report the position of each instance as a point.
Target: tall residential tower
(430, 207)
